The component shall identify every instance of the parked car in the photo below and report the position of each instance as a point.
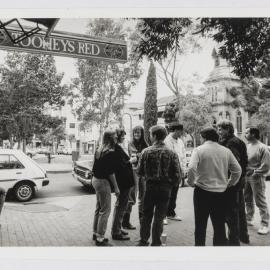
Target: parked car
(20, 174)
(43, 150)
(82, 172)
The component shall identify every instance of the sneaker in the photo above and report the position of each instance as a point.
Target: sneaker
(245, 239)
(165, 221)
(250, 222)
(128, 226)
(95, 238)
(263, 230)
(177, 218)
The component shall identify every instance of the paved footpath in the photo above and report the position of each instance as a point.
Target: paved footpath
(67, 221)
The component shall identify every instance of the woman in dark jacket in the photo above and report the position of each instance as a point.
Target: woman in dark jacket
(135, 148)
(124, 178)
(103, 177)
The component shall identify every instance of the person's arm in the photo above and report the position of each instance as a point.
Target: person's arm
(192, 168)
(235, 170)
(265, 163)
(114, 183)
(140, 168)
(175, 171)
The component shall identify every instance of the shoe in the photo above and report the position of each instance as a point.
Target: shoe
(250, 222)
(95, 238)
(120, 237)
(128, 227)
(124, 232)
(263, 230)
(142, 244)
(177, 218)
(103, 243)
(165, 221)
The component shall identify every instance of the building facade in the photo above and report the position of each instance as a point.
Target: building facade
(220, 85)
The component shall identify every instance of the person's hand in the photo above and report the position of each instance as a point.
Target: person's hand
(133, 160)
(117, 192)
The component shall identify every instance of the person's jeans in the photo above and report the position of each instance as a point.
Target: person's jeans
(172, 201)
(155, 204)
(2, 198)
(133, 193)
(142, 188)
(119, 211)
(255, 189)
(103, 206)
(243, 229)
(211, 204)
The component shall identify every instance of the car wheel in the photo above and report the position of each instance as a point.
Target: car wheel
(29, 155)
(24, 191)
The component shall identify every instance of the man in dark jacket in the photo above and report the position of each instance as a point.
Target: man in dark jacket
(236, 214)
(160, 168)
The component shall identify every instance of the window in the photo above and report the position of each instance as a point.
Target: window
(228, 116)
(71, 125)
(239, 122)
(8, 162)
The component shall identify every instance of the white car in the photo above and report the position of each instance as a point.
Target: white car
(21, 174)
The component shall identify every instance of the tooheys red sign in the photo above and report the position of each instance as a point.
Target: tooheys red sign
(69, 45)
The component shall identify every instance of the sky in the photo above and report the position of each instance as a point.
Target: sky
(200, 62)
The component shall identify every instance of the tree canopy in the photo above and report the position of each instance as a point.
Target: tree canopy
(244, 42)
(29, 84)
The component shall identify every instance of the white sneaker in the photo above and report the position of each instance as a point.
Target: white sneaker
(165, 221)
(177, 218)
(250, 222)
(263, 230)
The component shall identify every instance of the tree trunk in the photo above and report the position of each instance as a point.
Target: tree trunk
(24, 145)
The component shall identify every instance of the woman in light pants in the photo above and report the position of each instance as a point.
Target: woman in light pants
(103, 171)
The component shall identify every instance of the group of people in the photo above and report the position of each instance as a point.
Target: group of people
(227, 176)
(151, 172)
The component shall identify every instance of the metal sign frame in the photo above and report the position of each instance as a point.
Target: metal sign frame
(68, 45)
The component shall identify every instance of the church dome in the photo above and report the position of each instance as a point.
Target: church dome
(221, 71)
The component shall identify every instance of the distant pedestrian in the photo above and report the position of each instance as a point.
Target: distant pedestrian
(236, 213)
(104, 176)
(258, 166)
(2, 199)
(135, 148)
(160, 168)
(208, 173)
(174, 142)
(125, 181)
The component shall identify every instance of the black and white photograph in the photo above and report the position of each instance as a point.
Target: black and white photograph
(134, 131)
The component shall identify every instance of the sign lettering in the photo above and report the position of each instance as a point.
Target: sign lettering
(69, 45)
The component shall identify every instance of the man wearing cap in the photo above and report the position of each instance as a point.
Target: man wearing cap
(173, 142)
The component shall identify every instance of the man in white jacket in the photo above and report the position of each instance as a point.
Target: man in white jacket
(173, 142)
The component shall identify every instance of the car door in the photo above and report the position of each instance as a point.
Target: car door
(11, 170)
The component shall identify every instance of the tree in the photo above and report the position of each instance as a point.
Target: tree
(244, 42)
(261, 119)
(98, 92)
(150, 102)
(195, 114)
(29, 84)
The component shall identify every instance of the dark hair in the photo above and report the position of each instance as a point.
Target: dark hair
(119, 133)
(210, 134)
(226, 124)
(255, 131)
(141, 143)
(159, 131)
(107, 143)
(175, 126)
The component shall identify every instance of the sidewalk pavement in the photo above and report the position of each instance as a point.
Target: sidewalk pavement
(67, 221)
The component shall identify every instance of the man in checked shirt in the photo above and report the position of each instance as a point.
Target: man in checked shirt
(160, 168)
